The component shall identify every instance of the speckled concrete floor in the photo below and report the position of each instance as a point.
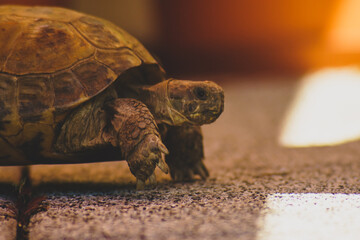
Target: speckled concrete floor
(98, 201)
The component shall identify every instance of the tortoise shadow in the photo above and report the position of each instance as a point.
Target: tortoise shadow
(82, 187)
(8, 189)
(91, 188)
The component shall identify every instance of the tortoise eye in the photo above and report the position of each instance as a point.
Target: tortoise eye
(200, 93)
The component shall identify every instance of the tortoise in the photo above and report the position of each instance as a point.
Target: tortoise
(75, 88)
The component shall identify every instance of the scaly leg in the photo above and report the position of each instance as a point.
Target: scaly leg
(132, 127)
(123, 124)
(185, 159)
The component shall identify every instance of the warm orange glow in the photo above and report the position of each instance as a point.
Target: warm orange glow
(326, 110)
(344, 33)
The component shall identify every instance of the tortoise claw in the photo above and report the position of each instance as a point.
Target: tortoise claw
(162, 164)
(152, 179)
(188, 174)
(191, 174)
(163, 148)
(143, 160)
(140, 184)
(202, 171)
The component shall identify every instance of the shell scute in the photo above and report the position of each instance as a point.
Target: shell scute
(94, 76)
(9, 117)
(53, 13)
(36, 98)
(98, 33)
(68, 90)
(10, 28)
(57, 46)
(118, 60)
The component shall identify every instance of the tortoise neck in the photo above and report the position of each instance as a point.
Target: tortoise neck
(156, 97)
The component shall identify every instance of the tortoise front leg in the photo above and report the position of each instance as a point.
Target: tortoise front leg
(185, 144)
(124, 123)
(132, 127)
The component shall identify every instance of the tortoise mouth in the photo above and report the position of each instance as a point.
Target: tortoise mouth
(200, 118)
(178, 118)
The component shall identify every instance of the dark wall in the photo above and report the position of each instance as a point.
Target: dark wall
(242, 36)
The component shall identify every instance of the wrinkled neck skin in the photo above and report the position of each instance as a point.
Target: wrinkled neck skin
(156, 97)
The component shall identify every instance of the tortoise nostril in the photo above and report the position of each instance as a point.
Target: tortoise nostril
(200, 93)
(192, 107)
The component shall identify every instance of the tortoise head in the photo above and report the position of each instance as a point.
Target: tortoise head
(194, 102)
(178, 102)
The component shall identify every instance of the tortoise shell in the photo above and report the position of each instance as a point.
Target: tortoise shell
(53, 59)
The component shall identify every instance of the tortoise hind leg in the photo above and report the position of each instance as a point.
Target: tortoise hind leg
(185, 144)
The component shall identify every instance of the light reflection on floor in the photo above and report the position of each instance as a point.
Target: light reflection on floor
(310, 216)
(325, 111)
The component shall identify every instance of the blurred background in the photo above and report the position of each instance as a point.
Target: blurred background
(280, 37)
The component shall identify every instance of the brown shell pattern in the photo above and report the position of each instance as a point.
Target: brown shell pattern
(52, 59)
